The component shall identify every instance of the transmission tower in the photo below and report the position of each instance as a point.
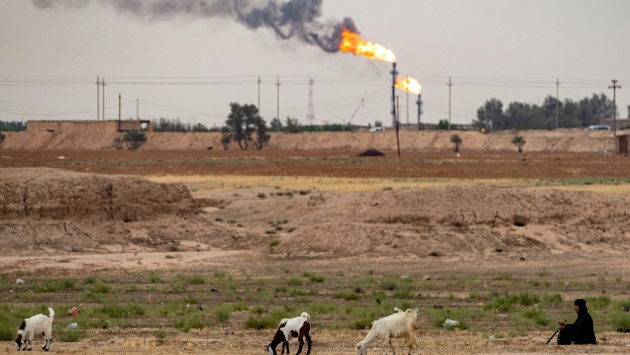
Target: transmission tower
(310, 115)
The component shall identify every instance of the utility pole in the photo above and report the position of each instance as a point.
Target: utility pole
(310, 115)
(103, 84)
(137, 109)
(278, 105)
(98, 99)
(614, 86)
(259, 81)
(397, 121)
(407, 108)
(450, 85)
(557, 102)
(119, 107)
(419, 103)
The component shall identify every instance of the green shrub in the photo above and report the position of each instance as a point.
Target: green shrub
(160, 334)
(89, 280)
(347, 295)
(294, 281)
(100, 287)
(269, 320)
(51, 285)
(361, 323)
(313, 277)
(620, 319)
(154, 278)
(223, 313)
(536, 315)
(69, 335)
(502, 276)
(122, 310)
(500, 303)
(389, 285)
(527, 299)
(554, 298)
(402, 294)
(598, 302)
(196, 280)
(8, 327)
(187, 323)
(134, 139)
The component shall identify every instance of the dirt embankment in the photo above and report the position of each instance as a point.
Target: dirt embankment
(64, 211)
(60, 211)
(454, 221)
(82, 138)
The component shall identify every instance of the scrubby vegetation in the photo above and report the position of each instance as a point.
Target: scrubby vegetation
(507, 303)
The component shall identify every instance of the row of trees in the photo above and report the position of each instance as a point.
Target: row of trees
(521, 116)
(176, 125)
(12, 126)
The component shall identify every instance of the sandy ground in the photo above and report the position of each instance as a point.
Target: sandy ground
(84, 217)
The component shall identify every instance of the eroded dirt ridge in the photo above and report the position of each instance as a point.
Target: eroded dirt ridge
(456, 221)
(66, 211)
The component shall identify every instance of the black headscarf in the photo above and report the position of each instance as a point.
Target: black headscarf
(582, 304)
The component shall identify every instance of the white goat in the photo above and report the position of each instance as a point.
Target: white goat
(398, 325)
(298, 327)
(38, 324)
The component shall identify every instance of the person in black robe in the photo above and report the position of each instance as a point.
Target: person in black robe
(581, 331)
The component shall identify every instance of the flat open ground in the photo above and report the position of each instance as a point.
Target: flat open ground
(500, 241)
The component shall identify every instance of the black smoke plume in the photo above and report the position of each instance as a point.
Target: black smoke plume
(298, 19)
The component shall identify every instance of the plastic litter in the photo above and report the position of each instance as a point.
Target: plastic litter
(19, 281)
(450, 324)
(73, 311)
(72, 325)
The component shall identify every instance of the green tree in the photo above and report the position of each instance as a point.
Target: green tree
(242, 123)
(380, 123)
(457, 140)
(276, 125)
(442, 124)
(134, 139)
(628, 111)
(2, 137)
(518, 141)
(200, 128)
(226, 137)
(262, 137)
(12, 126)
(490, 116)
(293, 125)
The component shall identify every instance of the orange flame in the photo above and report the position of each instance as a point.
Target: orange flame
(353, 43)
(408, 84)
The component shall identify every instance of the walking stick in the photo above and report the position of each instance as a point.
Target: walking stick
(552, 335)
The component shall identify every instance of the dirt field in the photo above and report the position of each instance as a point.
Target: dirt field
(464, 228)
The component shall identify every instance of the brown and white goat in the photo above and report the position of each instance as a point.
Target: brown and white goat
(397, 325)
(298, 327)
(37, 324)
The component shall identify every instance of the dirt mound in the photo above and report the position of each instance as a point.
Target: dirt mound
(57, 210)
(462, 221)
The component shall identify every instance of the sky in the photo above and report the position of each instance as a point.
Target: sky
(191, 60)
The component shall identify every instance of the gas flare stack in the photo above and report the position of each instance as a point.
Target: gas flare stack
(394, 78)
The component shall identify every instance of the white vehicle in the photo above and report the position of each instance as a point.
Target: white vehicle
(377, 129)
(599, 127)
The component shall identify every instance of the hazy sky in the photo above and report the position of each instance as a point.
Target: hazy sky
(192, 65)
